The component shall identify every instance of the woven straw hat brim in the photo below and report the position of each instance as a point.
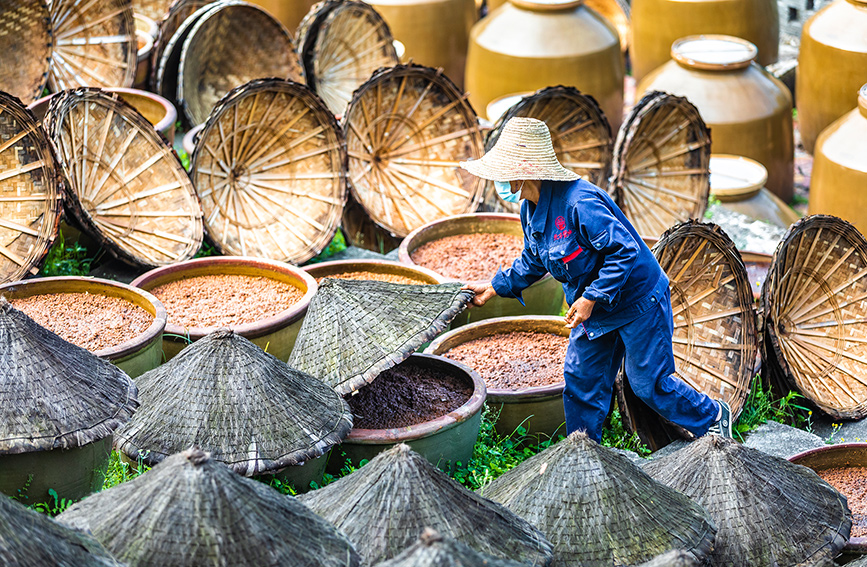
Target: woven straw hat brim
(191, 510)
(385, 505)
(355, 330)
(769, 511)
(245, 407)
(74, 397)
(523, 151)
(433, 550)
(597, 507)
(30, 538)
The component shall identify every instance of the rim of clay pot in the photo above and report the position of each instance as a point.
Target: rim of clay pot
(427, 428)
(862, 100)
(98, 286)
(500, 105)
(189, 142)
(147, 45)
(201, 267)
(845, 451)
(327, 269)
(501, 325)
(417, 237)
(547, 5)
(146, 24)
(713, 52)
(735, 177)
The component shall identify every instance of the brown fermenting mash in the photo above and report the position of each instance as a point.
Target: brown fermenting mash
(225, 299)
(469, 257)
(91, 321)
(408, 394)
(390, 278)
(514, 361)
(851, 482)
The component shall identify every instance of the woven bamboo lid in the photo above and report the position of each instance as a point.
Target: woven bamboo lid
(30, 538)
(595, 505)
(813, 301)
(123, 183)
(30, 200)
(269, 170)
(153, 9)
(26, 39)
(434, 550)
(53, 394)
(406, 130)
(345, 42)
(715, 338)
(231, 44)
(354, 330)
(384, 506)
(660, 174)
(166, 54)
(192, 510)
(768, 511)
(579, 130)
(94, 44)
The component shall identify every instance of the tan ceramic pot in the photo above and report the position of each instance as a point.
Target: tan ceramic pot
(433, 32)
(143, 59)
(289, 12)
(739, 184)
(832, 64)
(657, 24)
(839, 181)
(748, 111)
(527, 45)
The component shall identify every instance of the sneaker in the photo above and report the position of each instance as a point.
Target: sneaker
(722, 426)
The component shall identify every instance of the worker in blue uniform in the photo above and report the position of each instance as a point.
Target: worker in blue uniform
(617, 292)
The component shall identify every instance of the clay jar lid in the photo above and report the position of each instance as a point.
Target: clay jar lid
(500, 105)
(733, 178)
(547, 5)
(713, 52)
(862, 100)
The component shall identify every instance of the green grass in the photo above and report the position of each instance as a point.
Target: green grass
(761, 407)
(66, 259)
(120, 471)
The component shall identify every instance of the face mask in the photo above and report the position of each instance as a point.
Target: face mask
(504, 190)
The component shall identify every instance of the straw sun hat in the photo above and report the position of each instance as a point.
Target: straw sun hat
(523, 151)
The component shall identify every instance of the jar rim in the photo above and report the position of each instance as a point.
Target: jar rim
(713, 52)
(546, 5)
(862, 99)
(734, 176)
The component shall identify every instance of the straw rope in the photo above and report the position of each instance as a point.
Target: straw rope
(26, 40)
(813, 299)
(406, 129)
(269, 168)
(661, 164)
(30, 200)
(124, 184)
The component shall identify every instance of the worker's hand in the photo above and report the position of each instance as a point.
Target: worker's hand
(579, 312)
(483, 290)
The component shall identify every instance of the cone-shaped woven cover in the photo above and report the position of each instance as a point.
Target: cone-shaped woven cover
(190, 510)
(768, 511)
(30, 538)
(433, 550)
(354, 330)
(599, 509)
(385, 505)
(54, 394)
(676, 558)
(239, 403)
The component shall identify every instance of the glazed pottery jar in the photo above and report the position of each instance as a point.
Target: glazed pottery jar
(739, 184)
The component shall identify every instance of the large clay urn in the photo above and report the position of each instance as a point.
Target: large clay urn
(839, 181)
(832, 64)
(656, 24)
(433, 32)
(526, 45)
(748, 111)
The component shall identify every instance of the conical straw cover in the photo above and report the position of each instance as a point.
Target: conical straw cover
(354, 330)
(192, 511)
(768, 510)
(598, 508)
(433, 550)
(54, 394)
(248, 409)
(385, 505)
(28, 538)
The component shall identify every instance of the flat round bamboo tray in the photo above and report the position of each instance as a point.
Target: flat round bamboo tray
(406, 130)
(94, 44)
(269, 168)
(124, 185)
(815, 323)
(30, 200)
(153, 9)
(26, 39)
(661, 172)
(715, 338)
(229, 45)
(174, 30)
(345, 42)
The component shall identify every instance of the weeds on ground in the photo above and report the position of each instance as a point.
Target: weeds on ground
(66, 260)
(206, 250)
(761, 407)
(120, 471)
(55, 507)
(338, 244)
(615, 435)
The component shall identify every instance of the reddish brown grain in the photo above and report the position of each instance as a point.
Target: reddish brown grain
(469, 257)
(375, 276)
(851, 482)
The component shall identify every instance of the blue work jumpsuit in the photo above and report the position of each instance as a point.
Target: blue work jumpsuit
(578, 234)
